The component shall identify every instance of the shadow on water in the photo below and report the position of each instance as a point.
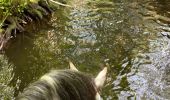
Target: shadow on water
(32, 56)
(123, 35)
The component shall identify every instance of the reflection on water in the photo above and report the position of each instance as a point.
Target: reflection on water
(128, 36)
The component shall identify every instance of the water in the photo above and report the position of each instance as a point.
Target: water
(130, 37)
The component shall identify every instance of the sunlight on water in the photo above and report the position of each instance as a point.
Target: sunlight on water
(130, 37)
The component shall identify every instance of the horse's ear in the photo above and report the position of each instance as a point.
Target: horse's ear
(72, 67)
(100, 79)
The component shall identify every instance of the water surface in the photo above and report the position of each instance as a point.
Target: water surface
(130, 37)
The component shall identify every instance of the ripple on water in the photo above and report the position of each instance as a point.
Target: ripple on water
(129, 36)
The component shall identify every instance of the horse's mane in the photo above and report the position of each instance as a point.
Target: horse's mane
(61, 85)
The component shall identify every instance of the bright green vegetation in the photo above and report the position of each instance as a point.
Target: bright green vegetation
(10, 7)
(13, 7)
(16, 8)
(15, 14)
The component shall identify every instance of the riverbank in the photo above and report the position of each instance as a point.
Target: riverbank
(16, 15)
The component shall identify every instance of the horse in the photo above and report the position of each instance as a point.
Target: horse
(67, 84)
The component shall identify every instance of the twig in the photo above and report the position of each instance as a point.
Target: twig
(56, 2)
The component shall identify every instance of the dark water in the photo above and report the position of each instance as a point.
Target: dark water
(130, 37)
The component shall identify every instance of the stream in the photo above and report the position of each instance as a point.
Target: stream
(130, 37)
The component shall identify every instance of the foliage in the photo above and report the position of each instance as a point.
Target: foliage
(10, 7)
(16, 8)
(6, 92)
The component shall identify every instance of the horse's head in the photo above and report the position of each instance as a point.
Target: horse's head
(99, 80)
(68, 84)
